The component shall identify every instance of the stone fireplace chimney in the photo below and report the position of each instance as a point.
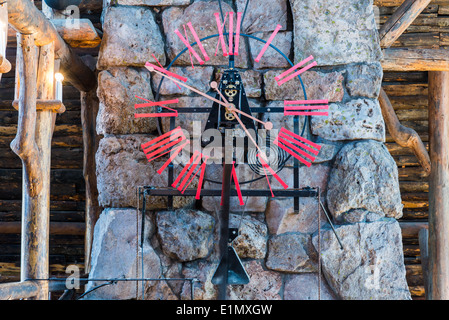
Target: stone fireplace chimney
(277, 245)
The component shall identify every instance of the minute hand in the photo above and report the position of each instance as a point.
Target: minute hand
(151, 69)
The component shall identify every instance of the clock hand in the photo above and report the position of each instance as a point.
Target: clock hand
(188, 87)
(268, 125)
(262, 154)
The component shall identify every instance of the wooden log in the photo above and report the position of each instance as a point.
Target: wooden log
(18, 290)
(56, 228)
(80, 34)
(415, 60)
(5, 65)
(410, 230)
(438, 186)
(396, 3)
(403, 136)
(89, 110)
(42, 105)
(424, 253)
(400, 20)
(25, 18)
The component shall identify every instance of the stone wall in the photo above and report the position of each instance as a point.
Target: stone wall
(278, 246)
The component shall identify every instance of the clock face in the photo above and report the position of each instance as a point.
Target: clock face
(232, 132)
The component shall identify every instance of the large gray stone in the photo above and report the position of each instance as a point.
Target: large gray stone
(130, 37)
(185, 234)
(364, 176)
(251, 241)
(271, 58)
(117, 88)
(318, 85)
(364, 80)
(116, 253)
(263, 15)
(371, 266)
(201, 14)
(289, 252)
(263, 284)
(335, 32)
(356, 119)
(198, 78)
(122, 167)
(304, 286)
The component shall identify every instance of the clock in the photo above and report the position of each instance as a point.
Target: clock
(266, 148)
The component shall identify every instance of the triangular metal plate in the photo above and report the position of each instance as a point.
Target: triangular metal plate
(236, 273)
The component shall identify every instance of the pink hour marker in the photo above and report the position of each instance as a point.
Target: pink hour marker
(190, 172)
(297, 73)
(168, 73)
(305, 107)
(267, 167)
(198, 42)
(220, 33)
(231, 33)
(154, 104)
(237, 33)
(267, 44)
(296, 145)
(189, 47)
(164, 144)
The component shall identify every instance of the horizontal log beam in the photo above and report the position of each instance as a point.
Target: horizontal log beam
(80, 34)
(18, 290)
(51, 105)
(56, 228)
(410, 230)
(415, 60)
(25, 18)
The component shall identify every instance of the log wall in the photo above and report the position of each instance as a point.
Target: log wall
(408, 94)
(67, 193)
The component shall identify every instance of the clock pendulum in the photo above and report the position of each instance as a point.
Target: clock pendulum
(230, 110)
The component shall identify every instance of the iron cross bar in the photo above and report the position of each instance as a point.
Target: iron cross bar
(209, 109)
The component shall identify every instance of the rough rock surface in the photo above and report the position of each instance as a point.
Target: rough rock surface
(122, 167)
(185, 234)
(116, 254)
(364, 175)
(130, 37)
(364, 80)
(262, 15)
(205, 25)
(271, 58)
(117, 88)
(198, 78)
(318, 85)
(305, 287)
(356, 119)
(251, 241)
(263, 284)
(335, 32)
(288, 252)
(371, 266)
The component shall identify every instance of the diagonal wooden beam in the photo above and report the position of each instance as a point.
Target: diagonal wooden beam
(25, 18)
(400, 20)
(403, 136)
